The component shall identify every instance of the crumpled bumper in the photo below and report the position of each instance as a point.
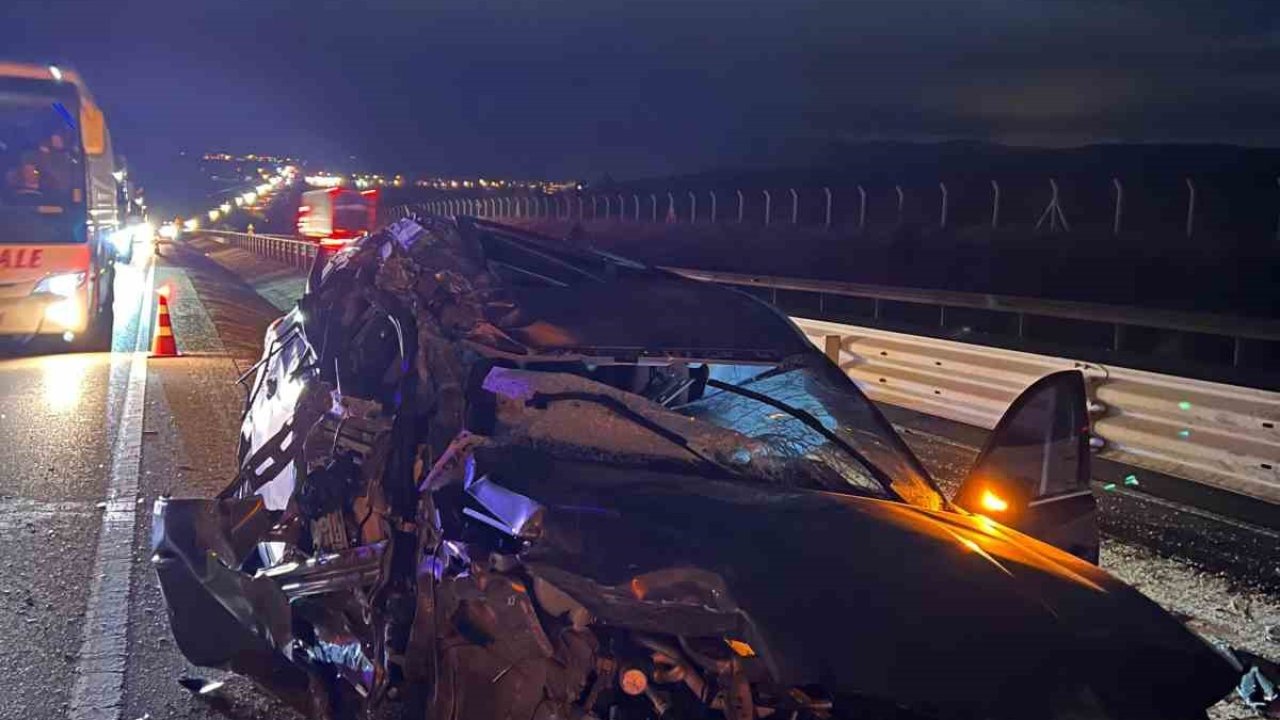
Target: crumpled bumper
(222, 617)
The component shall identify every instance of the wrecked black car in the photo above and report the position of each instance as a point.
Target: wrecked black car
(485, 474)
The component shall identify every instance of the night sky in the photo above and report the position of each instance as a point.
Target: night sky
(582, 88)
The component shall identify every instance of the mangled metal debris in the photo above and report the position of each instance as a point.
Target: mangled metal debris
(487, 475)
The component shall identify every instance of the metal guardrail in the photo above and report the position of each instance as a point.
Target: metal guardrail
(1237, 329)
(280, 248)
(1220, 435)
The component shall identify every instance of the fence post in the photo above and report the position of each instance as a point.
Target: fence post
(1278, 220)
(995, 204)
(654, 198)
(795, 207)
(713, 207)
(1191, 205)
(1054, 211)
(1115, 224)
(942, 220)
(671, 207)
(827, 192)
(741, 204)
(862, 208)
(898, 188)
(693, 208)
(595, 207)
(622, 208)
(768, 206)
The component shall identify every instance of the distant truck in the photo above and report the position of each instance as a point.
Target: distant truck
(336, 216)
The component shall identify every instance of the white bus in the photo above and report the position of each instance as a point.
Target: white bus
(58, 207)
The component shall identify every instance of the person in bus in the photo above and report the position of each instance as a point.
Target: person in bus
(23, 183)
(54, 164)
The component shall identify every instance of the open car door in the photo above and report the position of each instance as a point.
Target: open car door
(1033, 475)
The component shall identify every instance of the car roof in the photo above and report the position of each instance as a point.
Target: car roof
(579, 300)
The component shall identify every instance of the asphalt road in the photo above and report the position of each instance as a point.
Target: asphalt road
(84, 625)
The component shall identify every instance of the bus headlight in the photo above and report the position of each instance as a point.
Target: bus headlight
(65, 284)
(67, 313)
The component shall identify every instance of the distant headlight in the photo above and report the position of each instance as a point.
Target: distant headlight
(169, 231)
(65, 284)
(121, 239)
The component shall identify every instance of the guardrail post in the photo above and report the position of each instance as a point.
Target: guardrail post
(595, 207)
(1115, 224)
(795, 207)
(827, 192)
(1191, 206)
(942, 220)
(901, 197)
(831, 348)
(1278, 220)
(636, 197)
(713, 206)
(862, 208)
(768, 206)
(671, 208)
(654, 198)
(693, 208)
(741, 205)
(622, 208)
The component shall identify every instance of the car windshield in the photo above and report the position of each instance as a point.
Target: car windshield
(858, 439)
(772, 441)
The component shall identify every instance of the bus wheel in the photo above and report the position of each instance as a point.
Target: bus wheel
(97, 337)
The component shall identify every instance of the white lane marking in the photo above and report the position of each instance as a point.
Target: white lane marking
(98, 692)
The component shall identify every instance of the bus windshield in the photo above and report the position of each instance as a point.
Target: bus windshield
(39, 155)
(41, 166)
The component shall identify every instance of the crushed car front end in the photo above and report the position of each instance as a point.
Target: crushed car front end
(484, 475)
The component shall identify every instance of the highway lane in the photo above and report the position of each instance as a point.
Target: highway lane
(61, 414)
(58, 413)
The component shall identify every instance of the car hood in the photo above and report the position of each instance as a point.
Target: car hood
(935, 610)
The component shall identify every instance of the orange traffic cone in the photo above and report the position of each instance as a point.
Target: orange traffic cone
(162, 342)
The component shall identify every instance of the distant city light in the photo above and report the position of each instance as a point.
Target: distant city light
(225, 207)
